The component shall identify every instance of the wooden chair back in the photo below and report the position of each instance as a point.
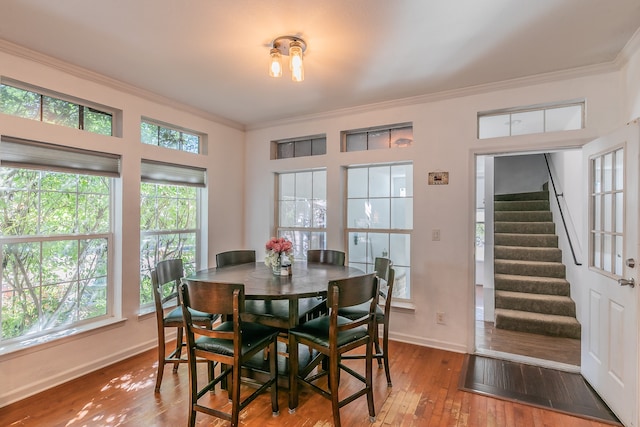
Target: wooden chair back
(225, 259)
(166, 274)
(326, 256)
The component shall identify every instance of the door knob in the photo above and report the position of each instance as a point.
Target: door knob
(627, 282)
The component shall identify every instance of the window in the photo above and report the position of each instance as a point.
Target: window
(169, 223)
(395, 136)
(169, 137)
(536, 119)
(300, 147)
(22, 101)
(380, 219)
(302, 210)
(56, 241)
(607, 206)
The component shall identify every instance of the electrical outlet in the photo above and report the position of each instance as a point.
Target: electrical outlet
(435, 234)
(440, 318)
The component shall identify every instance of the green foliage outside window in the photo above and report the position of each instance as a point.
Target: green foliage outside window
(168, 224)
(31, 105)
(174, 139)
(54, 247)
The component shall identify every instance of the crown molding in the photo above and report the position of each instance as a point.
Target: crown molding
(83, 73)
(629, 49)
(449, 94)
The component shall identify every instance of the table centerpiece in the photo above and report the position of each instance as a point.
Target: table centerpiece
(279, 253)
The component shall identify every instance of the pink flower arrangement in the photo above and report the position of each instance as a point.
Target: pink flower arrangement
(277, 248)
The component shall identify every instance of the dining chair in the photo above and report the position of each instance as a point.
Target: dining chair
(329, 337)
(225, 259)
(326, 256)
(323, 256)
(164, 282)
(232, 343)
(386, 276)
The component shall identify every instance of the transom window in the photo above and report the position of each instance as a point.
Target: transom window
(20, 100)
(392, 136)
(56, 243)
(607, 212)
(302, 210)
(167, 136)
(299, 147)
(380, 219)
(169, 221)
(529, 120)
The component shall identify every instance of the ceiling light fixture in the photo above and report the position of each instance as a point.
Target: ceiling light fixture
(293, 47)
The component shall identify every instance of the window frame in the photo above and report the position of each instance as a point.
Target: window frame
(370, 258)
(162, 126)
(82, 105)
(297, 143)
(170, 175)
(367, 132)
(529, 109)
(287, 231)
(600, 230)
(32, 161)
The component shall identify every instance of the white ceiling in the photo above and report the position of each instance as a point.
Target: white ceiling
(213, 54)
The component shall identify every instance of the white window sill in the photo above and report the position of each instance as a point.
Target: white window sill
(403, 306)
(31, 345)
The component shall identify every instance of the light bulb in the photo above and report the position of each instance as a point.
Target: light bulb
(275, 67)
(295, 62)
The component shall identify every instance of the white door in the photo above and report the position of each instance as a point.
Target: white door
(609, 309)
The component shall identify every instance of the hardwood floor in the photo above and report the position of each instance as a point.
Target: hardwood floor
(425, 393)
(554, 349)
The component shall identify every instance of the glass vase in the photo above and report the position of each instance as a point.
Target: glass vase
(276, 266)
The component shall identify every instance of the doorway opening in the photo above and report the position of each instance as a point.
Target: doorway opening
(524, 173)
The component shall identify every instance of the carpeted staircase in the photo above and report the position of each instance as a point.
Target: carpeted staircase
(531, 292)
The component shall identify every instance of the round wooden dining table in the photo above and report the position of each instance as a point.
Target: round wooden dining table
(306, 281)
(279, 301)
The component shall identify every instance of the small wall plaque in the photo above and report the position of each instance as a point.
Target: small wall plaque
(438, 178)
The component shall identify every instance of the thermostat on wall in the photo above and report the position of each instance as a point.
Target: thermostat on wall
(438, 178)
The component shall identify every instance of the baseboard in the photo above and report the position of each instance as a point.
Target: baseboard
(441, 345)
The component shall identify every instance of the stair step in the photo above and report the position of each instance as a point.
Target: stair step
(546, 324)
(520, 227)
(536, 285)
(522, 216)
(533, 195)
(521, 205)
(537, 303)
(530, 268)
(525, 253)
(533, 240)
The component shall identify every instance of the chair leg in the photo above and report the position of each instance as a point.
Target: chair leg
(235, 394)
(293, 373)
(273, 367)
(385, 354)
(334, 383)
(161, 356)
(377, 343)
(369, 383)
(178, 351)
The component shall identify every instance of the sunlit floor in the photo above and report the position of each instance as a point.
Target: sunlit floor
(554, 349)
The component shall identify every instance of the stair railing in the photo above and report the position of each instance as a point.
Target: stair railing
(564, 222)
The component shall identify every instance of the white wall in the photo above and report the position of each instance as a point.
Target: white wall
(445, 140)
(34, 369)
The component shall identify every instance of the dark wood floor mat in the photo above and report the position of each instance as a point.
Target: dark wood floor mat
(564, 392)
